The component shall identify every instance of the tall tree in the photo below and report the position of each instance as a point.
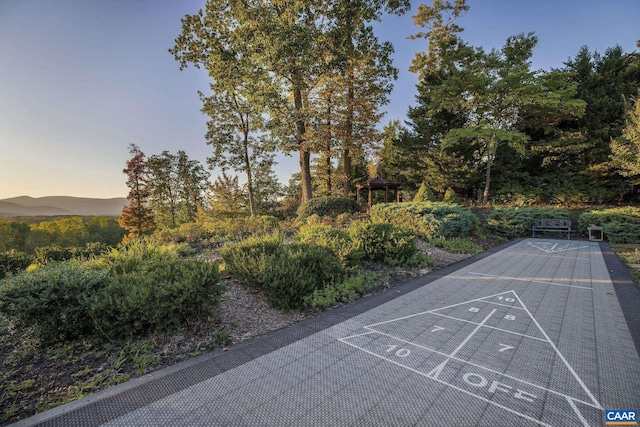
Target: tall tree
(488, 90)
(289, 45)
(137, 217)
(177, 188)
(281, 38)
(625, 150)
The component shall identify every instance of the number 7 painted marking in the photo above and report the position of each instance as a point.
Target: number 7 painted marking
(504, 347)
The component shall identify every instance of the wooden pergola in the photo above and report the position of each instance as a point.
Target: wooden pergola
(378, 183)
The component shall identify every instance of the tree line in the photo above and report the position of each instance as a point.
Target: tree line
(312, 77)
(486, 123)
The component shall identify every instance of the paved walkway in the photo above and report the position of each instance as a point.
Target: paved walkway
(540, 332)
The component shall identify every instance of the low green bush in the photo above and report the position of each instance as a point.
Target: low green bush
(13, 262)
(287, 273)
(620, 225)
(136, 289)
(382, 242)
(457, 246)
(53, 300)
(298, 272)
(328, 206)
(428, 219)
(336, 239)
(251, 258)
(517, 222)
(347, 291)
(157, 296)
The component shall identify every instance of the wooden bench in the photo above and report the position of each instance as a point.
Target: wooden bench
(552, 226)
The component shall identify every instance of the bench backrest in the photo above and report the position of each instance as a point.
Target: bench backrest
(552, 223)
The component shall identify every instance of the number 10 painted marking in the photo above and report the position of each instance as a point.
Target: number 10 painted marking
(401, 352)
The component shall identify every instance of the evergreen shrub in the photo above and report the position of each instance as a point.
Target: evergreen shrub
(428, 219)
(384, 242)
(347, 291)
(620, 225)
(156, 296)
(53, 300)
(13, 262)
(328, 206)
(424, 194)
(137, 288)
(336, 239)
(450, 196)
(287, 273)
(301, 270)
(517, 222)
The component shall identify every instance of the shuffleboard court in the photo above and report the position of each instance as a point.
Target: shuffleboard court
(531, 335)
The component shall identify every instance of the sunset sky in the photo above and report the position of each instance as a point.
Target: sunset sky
(81, 80)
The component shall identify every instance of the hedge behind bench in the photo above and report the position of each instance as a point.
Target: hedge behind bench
(517, 222)
(621, 225)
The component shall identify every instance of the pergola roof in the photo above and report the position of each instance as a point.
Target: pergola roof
(378, 182)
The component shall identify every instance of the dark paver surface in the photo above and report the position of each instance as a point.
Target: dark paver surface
(540, 332)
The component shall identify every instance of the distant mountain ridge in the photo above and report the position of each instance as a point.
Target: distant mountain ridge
(61, 205)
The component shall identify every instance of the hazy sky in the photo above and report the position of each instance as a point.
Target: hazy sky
(81, 80)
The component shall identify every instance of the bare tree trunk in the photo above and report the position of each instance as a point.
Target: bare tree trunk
(493, 149)
(327, 165)
(305, 155)
(348, 137)
(247, 165)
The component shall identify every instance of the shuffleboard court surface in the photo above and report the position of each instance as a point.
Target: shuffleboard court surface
(531, 335)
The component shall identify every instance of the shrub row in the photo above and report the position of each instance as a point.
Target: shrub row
(428, 219)
(363, 240)
(47, 254)
(291, 274)
(620, 225)
(517, 222)
(209, 231)
(134, 290)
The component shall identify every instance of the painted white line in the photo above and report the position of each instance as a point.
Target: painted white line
(577, 377)
(435, 372)
(504, 305)
(530, 281)
(359, 335)
(578, 413)
(564, 248)
(544, 256)
(472, 364)
(436, 309)
(490, 327)
(454, 387)
(466, 340)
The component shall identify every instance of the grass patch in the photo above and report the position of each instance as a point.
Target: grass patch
(630, 255)
(456, 246)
